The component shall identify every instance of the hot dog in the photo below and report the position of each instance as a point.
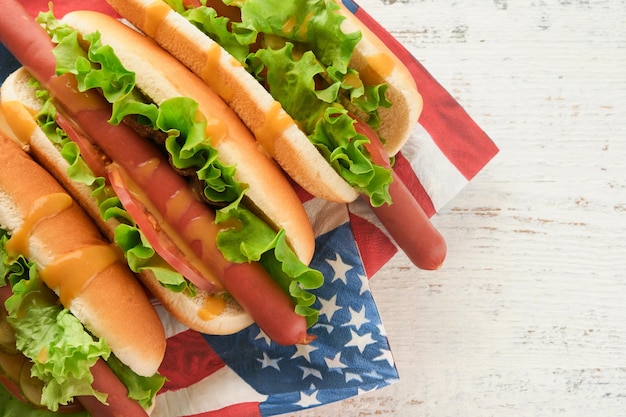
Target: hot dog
(74, 311)
(328, 73)
(190, 239)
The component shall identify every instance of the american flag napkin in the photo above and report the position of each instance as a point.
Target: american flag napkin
(247, 375)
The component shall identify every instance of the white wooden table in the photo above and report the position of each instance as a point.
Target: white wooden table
(528, 315)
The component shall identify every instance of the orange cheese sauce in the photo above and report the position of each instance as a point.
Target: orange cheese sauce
(304, 26)
(177, 204)
(69, 275)
(146, 169)
(44, 207)
(211, 66)
(276, 121)
(154, 14)
(213, 306)
(378, 68)
(289, 25)
(22, 120)
(216, 129)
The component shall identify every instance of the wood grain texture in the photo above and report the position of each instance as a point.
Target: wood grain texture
(528, 316)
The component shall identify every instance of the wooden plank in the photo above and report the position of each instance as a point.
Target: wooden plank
(527, 316)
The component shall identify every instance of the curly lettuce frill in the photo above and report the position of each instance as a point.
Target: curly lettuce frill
(258, 242)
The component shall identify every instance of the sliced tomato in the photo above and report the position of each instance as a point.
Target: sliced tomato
(183, 262)
(93, 158)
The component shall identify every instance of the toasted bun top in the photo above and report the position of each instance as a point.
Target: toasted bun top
(111, 304)
(160, 77)
(191, 311)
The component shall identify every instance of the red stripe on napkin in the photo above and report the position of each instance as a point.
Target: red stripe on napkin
(250, 409)
(188, 359)
(375, 247)
(403, 168)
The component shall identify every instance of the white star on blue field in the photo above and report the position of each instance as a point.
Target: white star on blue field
(350, 356)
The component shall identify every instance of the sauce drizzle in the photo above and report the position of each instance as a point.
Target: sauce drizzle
(22, 120)
(44, 207)
(70, 273)
(213, 306)
(276, 121)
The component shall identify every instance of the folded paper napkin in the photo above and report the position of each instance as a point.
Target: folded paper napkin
(246, 374)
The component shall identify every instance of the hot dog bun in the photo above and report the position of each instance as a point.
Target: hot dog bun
(111, 303)
(286, 144)
(17, 96)
(160, 77)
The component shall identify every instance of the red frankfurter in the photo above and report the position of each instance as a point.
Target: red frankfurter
(405, 219)
(118, 403)
(241, 280)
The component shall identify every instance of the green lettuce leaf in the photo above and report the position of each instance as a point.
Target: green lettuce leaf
(293, 82)
(140, 388)
(189, 147)
(315, 26)
(246, 242)
(314, 23)
(285, 265)
(328, 124)
(256, 241)
(187, 144)
(142, 257)
(234, 39)
(11, 269)
(236, 42)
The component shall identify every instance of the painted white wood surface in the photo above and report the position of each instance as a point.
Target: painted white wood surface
(528, 315)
